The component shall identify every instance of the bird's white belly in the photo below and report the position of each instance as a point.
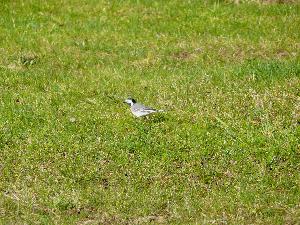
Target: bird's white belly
(138, 113)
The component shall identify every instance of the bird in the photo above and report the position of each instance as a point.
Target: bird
(138, 109)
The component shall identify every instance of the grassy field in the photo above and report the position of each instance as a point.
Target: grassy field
(226, 151)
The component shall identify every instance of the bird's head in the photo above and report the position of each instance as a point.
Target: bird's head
(130, 101)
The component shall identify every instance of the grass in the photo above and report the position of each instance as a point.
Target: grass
(226, 150)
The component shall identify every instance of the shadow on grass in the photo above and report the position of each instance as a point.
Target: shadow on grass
(146, 124)
(155, 119)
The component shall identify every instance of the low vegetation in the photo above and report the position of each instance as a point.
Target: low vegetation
(226, 151)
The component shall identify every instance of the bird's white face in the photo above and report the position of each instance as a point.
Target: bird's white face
(129, 101)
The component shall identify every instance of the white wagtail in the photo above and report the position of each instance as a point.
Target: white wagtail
(138, 109)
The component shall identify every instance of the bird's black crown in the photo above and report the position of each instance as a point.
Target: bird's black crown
(134, 101)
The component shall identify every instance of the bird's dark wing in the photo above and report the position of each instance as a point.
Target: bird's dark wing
(149, 109)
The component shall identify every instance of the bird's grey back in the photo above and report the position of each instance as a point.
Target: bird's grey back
(138, 106)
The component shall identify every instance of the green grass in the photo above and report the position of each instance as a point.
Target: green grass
(226, 151)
